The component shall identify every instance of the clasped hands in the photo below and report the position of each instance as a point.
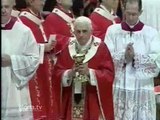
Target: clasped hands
(81, 69)
(129, 53)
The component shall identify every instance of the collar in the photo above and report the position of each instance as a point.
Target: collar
(137, 27)
(69, 13)
(105, 9)
(132, 26)
(9, 24)
(92, 50)
(31, 11)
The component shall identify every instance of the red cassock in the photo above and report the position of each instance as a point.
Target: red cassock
(60, 23)
(101, 19)
(98, 98)
(41, 85)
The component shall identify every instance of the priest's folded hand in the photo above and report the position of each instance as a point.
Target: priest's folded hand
(129, 53)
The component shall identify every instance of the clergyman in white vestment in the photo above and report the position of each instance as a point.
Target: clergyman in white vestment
(19, 61)
(136, 54)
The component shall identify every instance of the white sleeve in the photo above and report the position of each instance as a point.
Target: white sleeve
(66, 81)
(25, 65)
(148, 65)
(41, 53)
(93, 79)
(110, 41)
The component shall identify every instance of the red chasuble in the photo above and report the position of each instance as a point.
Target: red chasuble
(98, 98)
(59, 23)
(101, 20)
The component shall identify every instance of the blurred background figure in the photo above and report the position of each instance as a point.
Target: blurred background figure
(150, 15)
(78, 8)
(89, 6)
(119, 11)
(16, 10)
(60, 22)
(49, 5)
(20, 4)
(104, 16)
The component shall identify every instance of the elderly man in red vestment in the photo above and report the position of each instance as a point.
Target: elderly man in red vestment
(60, 22)
(41, 85)
(104, 16)
(83, 77)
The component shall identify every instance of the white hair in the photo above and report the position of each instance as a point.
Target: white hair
(84, 21)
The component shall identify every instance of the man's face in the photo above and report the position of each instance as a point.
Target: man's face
(66, 3)
(82, 33)
(38, 5)
(6, 9)
(132, 13)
